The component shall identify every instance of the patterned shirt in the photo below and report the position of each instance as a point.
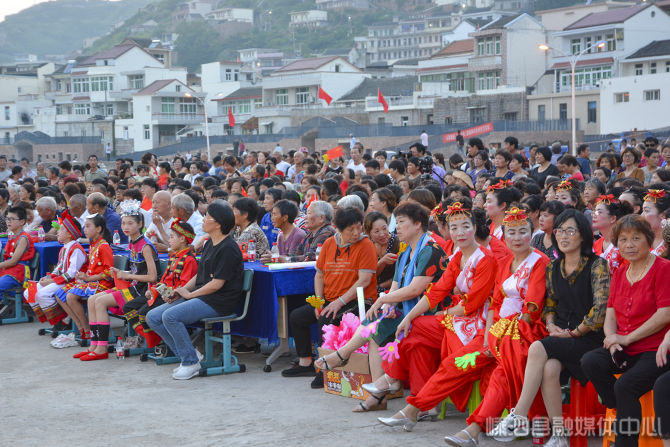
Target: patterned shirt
(600, 284)
(306, 251)
(253, 233)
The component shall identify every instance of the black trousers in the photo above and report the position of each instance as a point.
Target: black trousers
(624, 393)
(662, 405)
(301, 319)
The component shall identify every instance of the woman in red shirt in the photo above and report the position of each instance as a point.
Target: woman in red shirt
(637, 318)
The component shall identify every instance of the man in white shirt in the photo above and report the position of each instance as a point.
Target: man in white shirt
(282, 165)
(183, 208)
(279, 149)
(4, 172)
(352, 141)
(298, 158)
(356, 164)
(158, 231)
(424, 138)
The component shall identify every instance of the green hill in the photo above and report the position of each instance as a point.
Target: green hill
(59, 27)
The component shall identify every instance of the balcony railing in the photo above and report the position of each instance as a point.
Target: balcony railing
(371, 102)
(484, 61)
(167, 118)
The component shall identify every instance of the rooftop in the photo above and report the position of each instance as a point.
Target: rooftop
(501, 22)
(456, 47)
(607, 17)
(243, 93)
(402, 86)
(156, 86)
(655, 48)
(307, 64)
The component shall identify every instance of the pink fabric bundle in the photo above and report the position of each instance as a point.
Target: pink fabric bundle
(334, 337)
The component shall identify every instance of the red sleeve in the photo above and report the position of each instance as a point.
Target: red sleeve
(537, 288)
(445, 285)
(662, 292)
(189, 271)
(502, 274)
(106, 256)
(482, 285)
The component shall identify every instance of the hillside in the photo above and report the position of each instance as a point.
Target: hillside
(59, 27)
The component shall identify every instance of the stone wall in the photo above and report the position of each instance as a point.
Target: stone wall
(458, 108)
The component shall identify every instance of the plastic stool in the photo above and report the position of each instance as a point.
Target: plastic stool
(583, 404)
(473, 401)
(648, 416)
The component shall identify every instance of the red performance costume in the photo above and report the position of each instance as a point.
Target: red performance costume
(20, 271)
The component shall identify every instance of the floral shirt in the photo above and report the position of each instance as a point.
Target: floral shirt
(253, 233)
(306, 251)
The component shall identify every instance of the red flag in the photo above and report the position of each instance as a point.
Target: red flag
(231, 118)
(382, 101)
(325, 96)
(335, 153)
(344, 186)
(312, 199)
(244, 193)
(146, 204)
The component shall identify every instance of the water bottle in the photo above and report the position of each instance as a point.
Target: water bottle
(120, 354)
(318, 251)
(116, 239)
(251, 251)
(40, 234)
(275, 252)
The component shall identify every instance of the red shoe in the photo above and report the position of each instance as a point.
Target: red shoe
(80, 354)
(93, 356)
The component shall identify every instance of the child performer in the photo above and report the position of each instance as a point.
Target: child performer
(18, 251)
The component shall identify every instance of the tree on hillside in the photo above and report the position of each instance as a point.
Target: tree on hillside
(197, 44)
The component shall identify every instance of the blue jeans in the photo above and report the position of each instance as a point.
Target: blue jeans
(7, 282)
(170, 320)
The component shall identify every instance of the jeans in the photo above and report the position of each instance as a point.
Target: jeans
(623, 393)
(170, 320)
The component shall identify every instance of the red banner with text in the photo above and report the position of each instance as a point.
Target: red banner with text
(468, 133)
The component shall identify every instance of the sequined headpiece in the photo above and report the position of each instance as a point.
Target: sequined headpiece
(437, 211)
(654, 194)
(607, 199)
(130, 208)
(502, 184)
(565, 185)
(515, 217)
(457, 208)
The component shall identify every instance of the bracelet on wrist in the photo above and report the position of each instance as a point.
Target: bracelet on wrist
(581, 334)
(344, 303)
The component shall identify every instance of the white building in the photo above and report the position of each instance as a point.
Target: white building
(311, 19)
(262, 58)
(244, 15)
(446, 73)
(343, 4)
(559, 18)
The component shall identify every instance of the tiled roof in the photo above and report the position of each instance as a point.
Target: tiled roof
(442, 67)
(655, 48)
(456, 47)
(606, 17)
(307, 64)
(582, 63)
(501, 22)
(112, 53)
(401, 86)
(155, 86)
(243, 93)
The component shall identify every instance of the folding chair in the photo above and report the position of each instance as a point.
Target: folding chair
(226, 363)
(14, 297)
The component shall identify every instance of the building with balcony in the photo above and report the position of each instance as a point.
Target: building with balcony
(339, 5)
(558, 19)
(244, 15)
(311, 20)
(446, 73)
(244, 103)
(192, 10)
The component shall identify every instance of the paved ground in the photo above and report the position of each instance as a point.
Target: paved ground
(49, 399)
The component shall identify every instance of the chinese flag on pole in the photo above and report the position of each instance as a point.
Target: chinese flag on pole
(382, 101)
(312, 199)
(244, 193)
(146, 204)
(325, 96)
(335, 153)
(231, 118)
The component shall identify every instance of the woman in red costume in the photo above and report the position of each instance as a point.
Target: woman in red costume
(655, 205)
(499, 198)
(516, 309)
(468, 277)
(605, 214)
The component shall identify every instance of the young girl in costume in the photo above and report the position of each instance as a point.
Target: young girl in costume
(182, 266)
(18, 251)
(96, 278)
(143, 270)
(71, 260)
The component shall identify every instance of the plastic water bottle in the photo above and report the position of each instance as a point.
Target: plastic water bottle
(116, 239)
(251, 251)
(318, 251)
(40, 234)
(120, 354)
(275, 252)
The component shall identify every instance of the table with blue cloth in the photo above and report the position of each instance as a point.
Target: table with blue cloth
(267, 316)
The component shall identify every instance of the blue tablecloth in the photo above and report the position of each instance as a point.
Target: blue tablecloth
(261, 319)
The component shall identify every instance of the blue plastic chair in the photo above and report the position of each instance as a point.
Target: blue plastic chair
(14, 296)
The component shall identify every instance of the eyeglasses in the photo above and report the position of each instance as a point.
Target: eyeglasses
(567, 231)
(10, 219)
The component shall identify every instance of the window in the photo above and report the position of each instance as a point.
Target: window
(109, 109)
(404, 120)
(592, 112)
(652, 68)
(575, 46)
(638, 69)
(622, 97)
(80, 85)
(229, 74)
(281, 97)
(652, 95)
(302, 95)
(510, 116)
(6, 113)
(496, 41)
(337, 68)
(563, 111)
(611, 42)
(177, 88)
(167, 106)
(480, 47)
(59, 109)
(101, 83)
(587, 44)
(477, 114)
(82, 109)
(541, 112)
(187, 106)
(489, 45)
(488, 80)
(147, 132)
(667, 67)
(589, 76)
(136, 81)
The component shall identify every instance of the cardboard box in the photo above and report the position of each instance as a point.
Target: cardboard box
(348, 380)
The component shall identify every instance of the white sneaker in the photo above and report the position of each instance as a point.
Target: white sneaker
(511, 427)
(186, 372)
(68, 341)
(56, 341)
(557, 441)
(200, 358)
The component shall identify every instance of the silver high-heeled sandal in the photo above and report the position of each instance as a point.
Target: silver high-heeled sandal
(407, 423)
(392, 387)
(458, 442)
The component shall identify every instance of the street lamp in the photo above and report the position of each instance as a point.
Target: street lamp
(573, 58)
(204, 106)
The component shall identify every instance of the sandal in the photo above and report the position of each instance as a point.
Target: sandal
(325, 363)
(381, 405)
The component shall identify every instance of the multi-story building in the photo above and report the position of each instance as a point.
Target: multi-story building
(192, 10)
(311, 19)
(263, 59)
(343, 4)
(245, 15)
(446, 73)
(558, 19)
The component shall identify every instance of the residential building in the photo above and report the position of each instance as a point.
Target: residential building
(462, 31)
(245, 15)
(192, 10)
(501, 104)
(244, 104)
(446, 73)
(653, 58)
(264, 59)
(558, 106)
(311, 19)
(339, 5)
(560, 18)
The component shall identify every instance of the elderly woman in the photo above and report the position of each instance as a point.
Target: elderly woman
(348, 260)
(630, 158)
(421, 264)
(574, 311)
(215, 290)
(290, 236)
(544, 168)
(317, 222)
(47, 208)
(386, 245)
(637, 318)
(246, 212)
